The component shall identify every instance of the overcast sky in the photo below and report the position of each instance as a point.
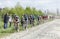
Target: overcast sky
(38, 4)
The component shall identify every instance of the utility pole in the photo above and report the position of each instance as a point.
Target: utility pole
(47, 12)
(57, 12)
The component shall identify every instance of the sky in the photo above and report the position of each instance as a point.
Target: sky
(51, 5)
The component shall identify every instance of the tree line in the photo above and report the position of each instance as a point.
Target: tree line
(19, 10)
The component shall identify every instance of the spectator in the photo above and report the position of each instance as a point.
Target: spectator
(39, 19)
(16, 23)
(10, 20)
(23, 22)
(26, 20)
(32, 20)
(32, 17)
(6, 18)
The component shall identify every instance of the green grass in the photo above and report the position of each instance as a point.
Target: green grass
(4, 34)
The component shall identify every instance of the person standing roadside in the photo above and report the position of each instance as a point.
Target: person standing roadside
(6, 18)
(31, 20)
(10, 20)
(26, 20)
(16, 23)
(23, 23)
(39, 19)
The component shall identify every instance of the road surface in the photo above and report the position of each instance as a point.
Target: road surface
(49, 30)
